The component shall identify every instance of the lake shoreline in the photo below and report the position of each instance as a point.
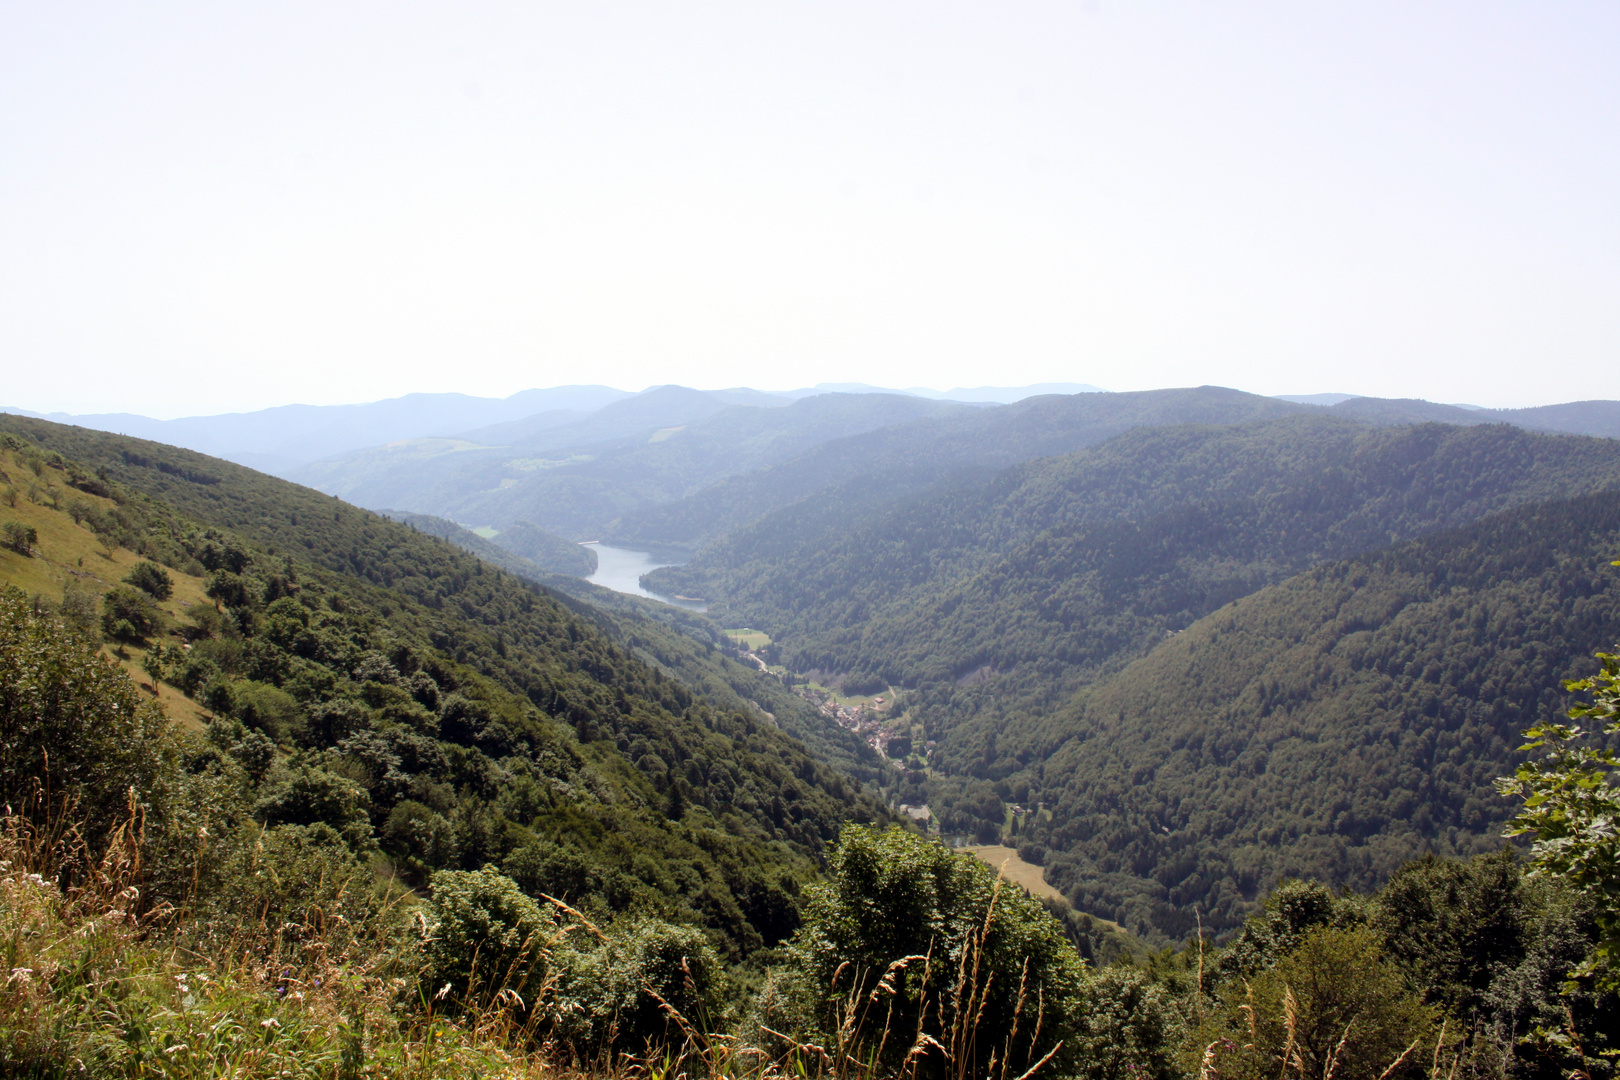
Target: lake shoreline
(621, 570)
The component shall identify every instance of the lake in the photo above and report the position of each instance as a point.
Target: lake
(620, 569)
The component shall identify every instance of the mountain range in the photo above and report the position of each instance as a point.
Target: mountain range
(1173, 645)
(280, 439)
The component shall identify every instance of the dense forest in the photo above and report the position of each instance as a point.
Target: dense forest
(164, 916)
(1027, 583)
(529, 551)
(1331, 727)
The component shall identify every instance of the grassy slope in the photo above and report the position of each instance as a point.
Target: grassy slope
(70, 556)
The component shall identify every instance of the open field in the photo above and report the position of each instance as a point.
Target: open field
(1014, 869)
(749, 639)
(1027, 875)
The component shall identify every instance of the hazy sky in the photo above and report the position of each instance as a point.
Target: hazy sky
(218, 206)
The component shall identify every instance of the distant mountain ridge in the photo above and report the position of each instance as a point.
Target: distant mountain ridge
(892, 462)
(284, 437)
(675, 467)
(277, 439)
(576, 480)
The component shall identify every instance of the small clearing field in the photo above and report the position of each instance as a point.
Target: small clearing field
(1016, 870)
(1026, 874)
(749, 639)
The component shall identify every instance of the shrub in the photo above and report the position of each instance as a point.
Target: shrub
(295, 881)
(151, 579)
(1571, 802)
(1332, 1006)
(484, 936)
(193, 673)
(268, 709)
(420, 837)
(70, 718)
(1292, 911)
(19, 537)
(229, 589)
(303, 794)
(78, 607)
(911, 942)
(544, 868)
(333, 721)
(252, 750)
(614, 991)
(129, 614)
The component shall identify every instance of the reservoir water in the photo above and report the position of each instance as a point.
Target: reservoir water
(620, 569)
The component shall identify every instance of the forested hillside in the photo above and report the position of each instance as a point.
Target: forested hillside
(1600, 418)
(434, 709)
(285, 516)
(849, 476)
(1005, 593)
(991, 600)
(547, 550)
(420, 818)
(1330, 727)
(527, 551)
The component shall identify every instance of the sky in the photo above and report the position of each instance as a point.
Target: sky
(217, 207)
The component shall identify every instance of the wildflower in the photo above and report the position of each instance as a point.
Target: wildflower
(176, 1048)
(270, 1023)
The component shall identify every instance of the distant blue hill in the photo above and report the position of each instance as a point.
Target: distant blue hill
(283, 438)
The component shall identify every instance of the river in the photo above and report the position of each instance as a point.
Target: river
(620, 569)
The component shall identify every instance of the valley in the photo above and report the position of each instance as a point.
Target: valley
(947, 600)
(1153, 659)
(802, 541)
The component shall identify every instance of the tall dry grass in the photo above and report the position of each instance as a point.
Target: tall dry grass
(99, 980)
